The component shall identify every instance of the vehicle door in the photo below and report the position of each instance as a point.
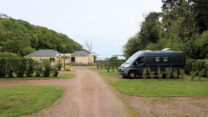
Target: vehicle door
(139, 65)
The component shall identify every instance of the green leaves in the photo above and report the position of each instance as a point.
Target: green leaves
(18, 36)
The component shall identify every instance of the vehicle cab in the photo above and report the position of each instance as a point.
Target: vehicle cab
(133, 66)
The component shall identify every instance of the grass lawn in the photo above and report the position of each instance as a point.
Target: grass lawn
(104, 72)
(16, 101)
(163, 88)
(156, 88)
(60, 76)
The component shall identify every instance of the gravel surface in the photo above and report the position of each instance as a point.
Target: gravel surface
(86, 95)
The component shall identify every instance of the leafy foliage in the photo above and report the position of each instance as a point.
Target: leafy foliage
(181, 26)
(18, 36)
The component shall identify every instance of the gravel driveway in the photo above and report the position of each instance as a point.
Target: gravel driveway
(87, 95)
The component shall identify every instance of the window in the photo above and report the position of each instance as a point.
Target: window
(140, 60)
(157, 59)
(165, 59)
(52, 59)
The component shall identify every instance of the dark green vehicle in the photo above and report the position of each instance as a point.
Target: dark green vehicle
(135, 65)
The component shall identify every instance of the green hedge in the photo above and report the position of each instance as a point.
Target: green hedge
(200, 66)
(12, 65)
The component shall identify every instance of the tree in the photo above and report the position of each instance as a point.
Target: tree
(169, 4)
(149, 33)
(200, 7)
(132, 46)
(21, 37)
(88, 45)
(150, 28)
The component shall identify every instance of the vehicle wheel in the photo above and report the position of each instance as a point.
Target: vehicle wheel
(132, 74)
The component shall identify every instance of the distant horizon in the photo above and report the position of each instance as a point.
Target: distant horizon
(108, 24)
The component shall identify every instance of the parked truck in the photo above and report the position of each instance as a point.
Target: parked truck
(153, 60)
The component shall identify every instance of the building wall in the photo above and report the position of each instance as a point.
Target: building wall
(81, 59)
(91, 59)
(84, 59)
(46, 58)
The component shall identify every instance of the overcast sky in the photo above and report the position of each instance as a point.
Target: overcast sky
(107, 23)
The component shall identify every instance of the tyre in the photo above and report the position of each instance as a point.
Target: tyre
(132, 74)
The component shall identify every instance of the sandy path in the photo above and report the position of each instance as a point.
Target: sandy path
(85, 96)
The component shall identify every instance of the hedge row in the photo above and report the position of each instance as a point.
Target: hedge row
(109, 64)
(24, 67)
(198, 67)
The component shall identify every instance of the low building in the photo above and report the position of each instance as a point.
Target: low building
(52, 55)
(82, 57)
(78, 57)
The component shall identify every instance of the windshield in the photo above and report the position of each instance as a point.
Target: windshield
(132, 58)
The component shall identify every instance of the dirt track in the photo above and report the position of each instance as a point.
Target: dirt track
(85, 96)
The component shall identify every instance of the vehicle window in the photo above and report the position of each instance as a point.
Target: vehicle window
(131, 59)
(165, 59)
(157, 59)
(140, 60)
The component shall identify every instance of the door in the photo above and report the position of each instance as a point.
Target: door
(139, 65)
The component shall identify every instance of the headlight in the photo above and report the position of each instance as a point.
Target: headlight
(126, 65)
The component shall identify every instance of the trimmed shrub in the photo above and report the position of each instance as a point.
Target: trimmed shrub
(168, 72)
(59, 66)
(55, 71)
(67, 68)
(175, 73)
(38, 70)
(30, 68)
(3, 67)
(188, 66)
(198, 66)
(20, 67)
(151, 73)
(159, 74)
(47, 68)
(144, 73)
(10, 70)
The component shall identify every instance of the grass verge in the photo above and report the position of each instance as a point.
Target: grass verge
(163, 88)
(16, 101)
(156, 88)
(104, 72)
(60, 76)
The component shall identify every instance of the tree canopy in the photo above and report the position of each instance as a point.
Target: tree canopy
(18, 36)
(182, 25)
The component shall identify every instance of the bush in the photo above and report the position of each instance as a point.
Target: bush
(20, 67)
(175, 73)
(159, 74)
(198, 65)
(47, 68)
(30, 67)
(67, 68)
(10, 70)
(38, 70)
(3, 66)
(188, 66)
(144, 73)
(151, 73)
(59, 66)
(55, 71)
(168, 72)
